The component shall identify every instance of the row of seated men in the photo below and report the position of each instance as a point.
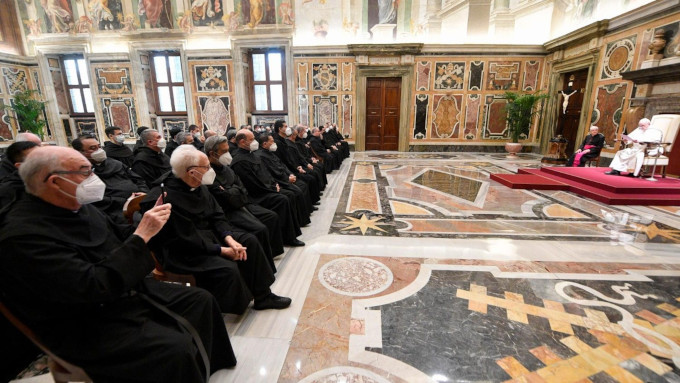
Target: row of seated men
(78, 275)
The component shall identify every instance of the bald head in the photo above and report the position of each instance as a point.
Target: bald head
(243, 138)
(28, 136)
(42, 162)
(209, 133)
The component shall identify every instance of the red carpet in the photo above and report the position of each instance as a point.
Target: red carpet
(593, 183)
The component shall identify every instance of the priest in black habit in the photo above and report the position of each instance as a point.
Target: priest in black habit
(11, 187)
(150, 161)
(264, 190)
(79, 281)
(115, 147)
(590, 148)
(232, 196)
(331, 162)
(287, 153)
(199, 240)
(299, 138)
(121, 182)
(283, 176)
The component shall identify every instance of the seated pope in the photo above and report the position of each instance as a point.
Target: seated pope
(199, 240)
(80, 282)
(633, 157)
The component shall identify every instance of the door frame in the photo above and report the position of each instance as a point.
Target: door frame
(559, 70)
(406, 74)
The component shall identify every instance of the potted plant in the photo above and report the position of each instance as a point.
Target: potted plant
(29, 112)
(519, 114)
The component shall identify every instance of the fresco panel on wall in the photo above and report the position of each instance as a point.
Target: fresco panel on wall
(215, 113)
(608, 109)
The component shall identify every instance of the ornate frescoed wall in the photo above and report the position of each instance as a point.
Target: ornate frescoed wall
(115, 95)
(15, 77)
(213, 93)
(326, 92)
(461, 98)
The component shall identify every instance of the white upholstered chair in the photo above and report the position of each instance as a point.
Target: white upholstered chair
(668, 124)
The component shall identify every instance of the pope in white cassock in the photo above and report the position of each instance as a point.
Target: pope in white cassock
(632, 158)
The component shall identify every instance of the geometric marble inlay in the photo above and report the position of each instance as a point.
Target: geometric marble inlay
(344, 374)
(355, 276)
(456, 186)
(403, 208)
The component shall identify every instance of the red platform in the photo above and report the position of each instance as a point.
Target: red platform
(593, 183)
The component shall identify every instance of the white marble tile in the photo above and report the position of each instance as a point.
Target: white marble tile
(46, 378)
(258, 360)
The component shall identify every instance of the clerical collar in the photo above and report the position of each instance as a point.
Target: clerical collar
(192, 189)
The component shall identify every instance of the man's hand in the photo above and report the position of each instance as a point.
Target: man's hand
(314, 160)
(153, 221)
(328, 150)
(310, 167)
(239, 251)
(578, 151)
(278, 188)
(292, 179)
(136, 194)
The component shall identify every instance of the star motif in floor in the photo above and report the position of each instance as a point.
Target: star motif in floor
(363, 223)
(652, 231)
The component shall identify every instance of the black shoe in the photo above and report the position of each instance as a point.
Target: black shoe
(631, 175)
(613, 173)
(317, 203)
(314, 208)
(296, 243)
(272, 301)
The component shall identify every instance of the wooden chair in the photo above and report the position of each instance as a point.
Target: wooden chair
(61, 370)
(595, 160)
(668, 125)
(131, 206)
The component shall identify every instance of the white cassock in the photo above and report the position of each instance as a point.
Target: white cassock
(632, 158)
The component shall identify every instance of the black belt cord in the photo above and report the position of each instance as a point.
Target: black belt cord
(184, 323)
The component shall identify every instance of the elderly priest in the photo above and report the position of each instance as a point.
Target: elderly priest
(80, 282)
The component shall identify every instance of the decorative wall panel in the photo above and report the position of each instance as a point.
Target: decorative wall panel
(618, 57)
(325, 110)
(303, 109)
(325, 76)
(420, 125)
(59, 91)
(114, 80)
(503, 75)
(6, 132)
(120, 112)
(211, 78)
(35, 77)
(608, 109)
(347, 76)
(169, 123)
(302, 76)
(215, 113)
(494, 117)
(474, 101)
(476, 75)
(423, 71)
(347, 113)
(85, 126)
(449, 75)
(446, 116)
(531, 72)
(16, 79)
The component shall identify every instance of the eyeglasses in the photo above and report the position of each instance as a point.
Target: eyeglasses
(84, 171)
(198, 166)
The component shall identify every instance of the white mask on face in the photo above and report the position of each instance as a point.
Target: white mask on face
(273, 147)
(225, 159)
(98, 155)
(119, 138)
(304, 135)
(288, 132)
(89, 191)
(254, 146)
(208, 177)
(161, 143)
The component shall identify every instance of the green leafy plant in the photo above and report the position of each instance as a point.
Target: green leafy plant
(29, 112)
(520, 111)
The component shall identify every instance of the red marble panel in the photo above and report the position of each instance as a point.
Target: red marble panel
(447, 116)
(531, 70)
(608, 109)
(474, 101)
(120, 116)
(423, 75)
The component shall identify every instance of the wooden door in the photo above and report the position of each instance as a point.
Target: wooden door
(567, 123)
(383, 96)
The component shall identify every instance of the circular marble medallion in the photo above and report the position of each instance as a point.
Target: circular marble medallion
(344, 374)
(355, 276)
(618, 58)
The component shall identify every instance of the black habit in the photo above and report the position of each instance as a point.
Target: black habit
(119, 152)
(190, 243)
(597, 141)
(120, 182)
(79, 282)
(150, 164)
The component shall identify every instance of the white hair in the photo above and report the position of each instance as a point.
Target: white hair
(39, 164)
(183, 157)
(645, 121)
(594, 127)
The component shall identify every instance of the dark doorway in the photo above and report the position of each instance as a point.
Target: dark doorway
(567, 123)
(383, 95)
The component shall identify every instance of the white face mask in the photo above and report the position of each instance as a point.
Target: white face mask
(273, 147)
(89, 191)
(119, 138)
(208, 177)
(161, 143)
(288, 132)
(304, 135)
(225, 159)
(98, 155)
(254, 146)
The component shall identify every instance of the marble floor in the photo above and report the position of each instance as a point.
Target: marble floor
(419, 268)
